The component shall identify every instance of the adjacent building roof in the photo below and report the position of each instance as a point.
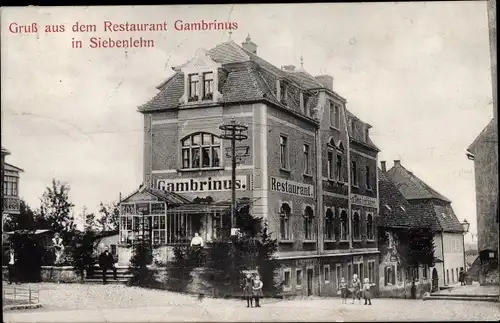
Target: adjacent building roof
(12, 168)
(411, 186)
(5, 151)
(489, 133)
(396, 211)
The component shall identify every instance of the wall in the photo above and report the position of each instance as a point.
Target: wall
(438, 253)
(453, 255)
(62, 274)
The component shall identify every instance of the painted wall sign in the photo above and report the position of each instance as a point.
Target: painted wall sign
(142, 208)
(158, 208)
(127, 209)
(289, 187)
(197, 185)
(363, 200)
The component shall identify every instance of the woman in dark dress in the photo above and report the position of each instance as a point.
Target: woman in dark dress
(248, 291)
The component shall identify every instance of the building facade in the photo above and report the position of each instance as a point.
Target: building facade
(310, 173)
(10, 187)
(448, 231)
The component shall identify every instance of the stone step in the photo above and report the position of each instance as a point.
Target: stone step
(109, 281)
(461, 298)
(465, 295)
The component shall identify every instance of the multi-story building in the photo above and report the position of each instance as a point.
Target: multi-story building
(10, 187)
(448, 232)
(311, 171)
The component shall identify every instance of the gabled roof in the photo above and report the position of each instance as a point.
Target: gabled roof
(489, 133)
(12, 168)
(396, 211)
(171, 198)
(411, 186)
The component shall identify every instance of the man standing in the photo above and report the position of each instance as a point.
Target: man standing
(107, 261)
(12, 266)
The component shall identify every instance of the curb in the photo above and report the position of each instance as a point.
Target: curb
(22, 307)
(451, 298)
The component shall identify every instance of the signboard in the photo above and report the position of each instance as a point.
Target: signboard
(289, 187)
(142, 208)
(127, 209)
(158, 208)
(198, 185)
(364, 200)
(394, 258)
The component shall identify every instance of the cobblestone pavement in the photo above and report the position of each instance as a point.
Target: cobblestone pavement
(118, 303)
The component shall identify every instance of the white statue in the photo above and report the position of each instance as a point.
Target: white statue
(58, 245)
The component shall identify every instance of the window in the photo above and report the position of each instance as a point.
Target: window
(10, 184)
(369, 227)
(329, 225)
(216, 226)
(308, 223)
(452, 276)
(371, 271)
(334, 116)
(356, 230)
(389, 275)
(366, 134)
(353, 126)
(305, 99)
(447, 276)
(425, 271)
(159, 230)
(283, 94)
(390, 240)
(286, 279)
(181, 227)
(284, 152)
(299, 278)
(330, 165)
(367, 178)
(326, 273)
(338, 274)
(307, 160)
(416, 273)
(338, 169)
(201, 150)
(208, 86)
(193, 87)
(344, 226)
(349, 273)
(285, 212)
(354, 173)
(114, 250)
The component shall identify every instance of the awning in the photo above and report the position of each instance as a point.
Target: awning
(26, 232)
(196, 208)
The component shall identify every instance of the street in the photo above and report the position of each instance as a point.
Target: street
(119, 303)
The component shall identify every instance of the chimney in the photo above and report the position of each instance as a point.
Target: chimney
(383, 166)
(288, 68)
(397, 162)
(325, 80)
(250, 46)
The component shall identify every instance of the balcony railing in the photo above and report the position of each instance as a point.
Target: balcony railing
(11, 204)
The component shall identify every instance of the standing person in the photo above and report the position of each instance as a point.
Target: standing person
(343, 290)
(257, 290)
(248, 291)
(13, 266)
(367, 294)
(106, 261)
(461, 276)
(356, 288)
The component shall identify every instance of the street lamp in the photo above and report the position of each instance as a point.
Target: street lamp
(465, 229)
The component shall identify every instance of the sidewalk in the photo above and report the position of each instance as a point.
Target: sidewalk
(470, 290)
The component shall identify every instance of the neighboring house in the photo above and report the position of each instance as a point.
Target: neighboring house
(449, 235)
(397, 217)
(311, 170)
(108, 240)
(484, 152)
(10, 187)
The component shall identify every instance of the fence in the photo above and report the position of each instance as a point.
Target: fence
(20, 295)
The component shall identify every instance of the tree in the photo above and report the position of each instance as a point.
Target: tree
(25, 220)
(84, 246)
(110, 214)
(415, 247)
(56, 210)
(141, 258)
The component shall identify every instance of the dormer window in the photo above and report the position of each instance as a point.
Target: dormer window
(283, 93)
(307, 112)
(366, 134)
(208, 86)
(193, 87)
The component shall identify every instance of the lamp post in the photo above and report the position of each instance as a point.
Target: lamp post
(465, 229)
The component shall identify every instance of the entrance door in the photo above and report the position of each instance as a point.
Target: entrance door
(309, 282)
(435, 279)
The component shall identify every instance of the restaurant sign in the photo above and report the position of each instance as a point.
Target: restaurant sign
(364, 200)
(198, 185)
(289, 187)
(143, 208)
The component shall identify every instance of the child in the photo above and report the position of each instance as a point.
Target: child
(356, 288)
(247, 290)
(343, 290)
(366, 291)
(257, 290)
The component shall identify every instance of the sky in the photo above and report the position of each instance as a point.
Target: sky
(419, 73)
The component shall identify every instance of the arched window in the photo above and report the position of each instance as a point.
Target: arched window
(356, 232)
(201, 150)
(329, 225)
(285, 212)
(369, 226)
(308, 223)
(344, 225)
(367, 178)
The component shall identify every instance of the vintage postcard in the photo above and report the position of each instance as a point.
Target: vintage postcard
(250, 162)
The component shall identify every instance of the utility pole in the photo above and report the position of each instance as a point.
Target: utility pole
(234, 131)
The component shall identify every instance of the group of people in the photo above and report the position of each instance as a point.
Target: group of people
(253, 290)
(358, 289)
